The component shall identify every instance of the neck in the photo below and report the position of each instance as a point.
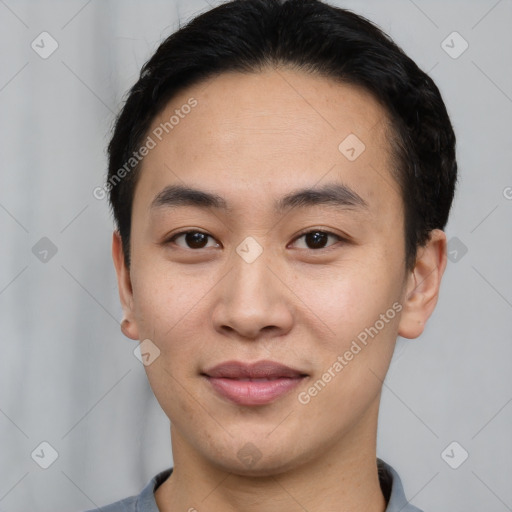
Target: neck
(342, 478)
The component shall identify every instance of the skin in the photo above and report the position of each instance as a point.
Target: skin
(253, 138)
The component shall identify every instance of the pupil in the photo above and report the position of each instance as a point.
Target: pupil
(316, 239)
(195, 239)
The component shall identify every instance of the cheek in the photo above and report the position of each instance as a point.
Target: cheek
(348, 299)
(166, 312)
(170, 311)
(363, 316)
(158, 304)
(366, 314)
(159, 293)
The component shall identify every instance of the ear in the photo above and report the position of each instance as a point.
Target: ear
(423, 283)
(128, 325)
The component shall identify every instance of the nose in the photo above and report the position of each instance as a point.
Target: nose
(252, 302)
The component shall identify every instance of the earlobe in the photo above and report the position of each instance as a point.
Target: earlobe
(423, 284)
(128, 325)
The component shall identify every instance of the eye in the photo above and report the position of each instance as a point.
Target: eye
(313, 240)
(193, 239)
(317, 239)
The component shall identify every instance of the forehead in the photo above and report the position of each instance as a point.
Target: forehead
(259, 135)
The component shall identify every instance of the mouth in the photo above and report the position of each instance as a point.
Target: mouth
(257, 383)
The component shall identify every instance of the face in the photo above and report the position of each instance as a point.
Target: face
(291, 277)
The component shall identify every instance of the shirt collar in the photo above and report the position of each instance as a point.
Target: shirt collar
(390, 484)
(393, 489)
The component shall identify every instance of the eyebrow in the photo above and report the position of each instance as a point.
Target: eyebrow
(331, 194)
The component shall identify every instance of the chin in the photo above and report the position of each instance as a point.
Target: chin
(249, 461)
(260, 469)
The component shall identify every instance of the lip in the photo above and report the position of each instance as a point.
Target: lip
(256, 383)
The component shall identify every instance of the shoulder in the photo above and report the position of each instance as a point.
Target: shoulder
(126, 505)
(393, 490)
(143, 502)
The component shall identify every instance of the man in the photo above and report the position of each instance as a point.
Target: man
(280, 177)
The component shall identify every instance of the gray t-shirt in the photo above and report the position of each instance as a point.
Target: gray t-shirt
(390, 483)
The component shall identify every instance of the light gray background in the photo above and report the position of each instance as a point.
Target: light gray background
(67, 374)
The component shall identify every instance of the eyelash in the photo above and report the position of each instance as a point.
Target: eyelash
(328, 233)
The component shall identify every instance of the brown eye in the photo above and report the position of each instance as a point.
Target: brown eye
(317, 239)
(193, 239)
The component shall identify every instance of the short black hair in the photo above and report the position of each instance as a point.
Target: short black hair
(248, 36)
